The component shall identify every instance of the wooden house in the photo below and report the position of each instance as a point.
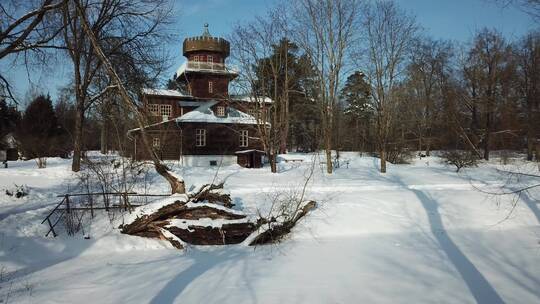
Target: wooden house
(204, 126)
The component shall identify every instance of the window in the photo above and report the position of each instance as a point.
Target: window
(210, 59)
(153, 109)
(210, 87)
(244, 138)
(165, 110)
(200, 137)
(196, 58)
(155, 142)
(253, 112)
(220, 111)
(213, 163)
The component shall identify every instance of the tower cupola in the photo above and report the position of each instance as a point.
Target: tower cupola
(206, 43)
(205, 73)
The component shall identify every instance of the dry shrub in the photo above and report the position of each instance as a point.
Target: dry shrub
(460, 159)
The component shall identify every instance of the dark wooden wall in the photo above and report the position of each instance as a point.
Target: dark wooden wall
(199, 85)
(221, 139)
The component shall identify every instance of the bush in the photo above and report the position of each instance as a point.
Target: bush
(18, 192)
(460, 159)
(399, 155)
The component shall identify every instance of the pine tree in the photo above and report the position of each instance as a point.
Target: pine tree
(356, 94)
(39, 132)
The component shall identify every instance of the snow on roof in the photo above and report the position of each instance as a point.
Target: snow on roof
(164, 92)
(249, 98)
(249, 151)
(205, 114)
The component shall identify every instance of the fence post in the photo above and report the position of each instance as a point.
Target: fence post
(124, 196)
(52, 228)
(67, 203)
(92, 205)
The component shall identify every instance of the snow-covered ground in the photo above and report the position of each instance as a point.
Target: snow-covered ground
(419, 234)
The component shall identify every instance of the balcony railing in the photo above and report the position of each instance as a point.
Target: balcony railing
(205, 66)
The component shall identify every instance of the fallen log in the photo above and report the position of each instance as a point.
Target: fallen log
(193, 219)
(213, 194)
(140, 224)
(274, 231)
(226, 234)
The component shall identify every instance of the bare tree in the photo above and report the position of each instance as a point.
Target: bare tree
(487, 62)
(133, 30)
(531, 7)
(528, 73)
(177, 184)
(429, 59)
(254, 49)
(26, 32)
(326, 30)
(390, 35)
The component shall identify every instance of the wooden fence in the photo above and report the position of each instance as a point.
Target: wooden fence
(94, 201)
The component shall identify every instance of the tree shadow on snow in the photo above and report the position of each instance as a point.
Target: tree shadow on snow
(532, 204)
(203, 262)
(478, 285)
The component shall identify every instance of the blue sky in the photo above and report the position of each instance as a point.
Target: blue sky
(447, 19)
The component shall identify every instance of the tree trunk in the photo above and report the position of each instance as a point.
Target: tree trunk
(177, 186)
(103, 137)
(530, 132)
(328, 150)
(487, 136)
(273, 162)
(78, 137)
(382, 153)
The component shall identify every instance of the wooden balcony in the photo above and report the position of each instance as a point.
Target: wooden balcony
(201, 66)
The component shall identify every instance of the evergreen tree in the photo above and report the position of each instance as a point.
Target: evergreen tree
(356, 96)
(39, 132)
(9, 118)
(286, 73)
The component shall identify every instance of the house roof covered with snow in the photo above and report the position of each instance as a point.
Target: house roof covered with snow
(252, 99)
(164, 92)
(204, 113)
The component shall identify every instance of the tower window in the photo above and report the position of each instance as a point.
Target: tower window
(196, 58)
(220, 110)
(155, 142)
(244, 138)
(210, 59)
(200, 137)
(153, 108)
(165, 110)
(210, 87)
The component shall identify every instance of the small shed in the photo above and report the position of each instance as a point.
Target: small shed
(250, 158)
(8, 144)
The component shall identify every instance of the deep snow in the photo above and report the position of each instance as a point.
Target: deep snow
(419, 234)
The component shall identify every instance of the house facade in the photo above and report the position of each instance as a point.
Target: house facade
(203, 126)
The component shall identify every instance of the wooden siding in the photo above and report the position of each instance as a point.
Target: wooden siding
(221, 139)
